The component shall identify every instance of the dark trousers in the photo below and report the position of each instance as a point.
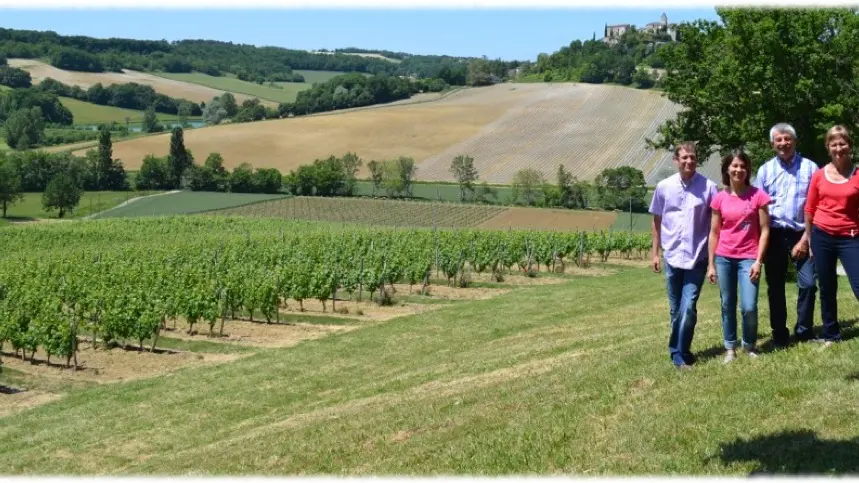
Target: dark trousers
(828, 250)
(781, 242)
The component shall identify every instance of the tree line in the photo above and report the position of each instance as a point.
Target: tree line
(738, 77)
(596, 62)
(614, 188)
(248, 62)
(130, 95)
(622, 188)
(65, 176)
(26, 111)
(350, 90)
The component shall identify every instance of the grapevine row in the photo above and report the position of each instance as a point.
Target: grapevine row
(118, 280)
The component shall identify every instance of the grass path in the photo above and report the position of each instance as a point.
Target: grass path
(130, 201)
(570, 383)
(91, 203)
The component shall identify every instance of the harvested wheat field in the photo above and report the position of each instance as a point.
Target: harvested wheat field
(178, 89)
(417, 130)
(506, 127)
(549, 219)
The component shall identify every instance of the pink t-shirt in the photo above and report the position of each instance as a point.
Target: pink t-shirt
(741, 229)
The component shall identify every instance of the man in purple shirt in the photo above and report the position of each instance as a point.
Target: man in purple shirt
(681, 225)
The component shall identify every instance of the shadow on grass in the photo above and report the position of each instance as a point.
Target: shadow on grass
(9, 390)
(796, 452)
(19, 219)
(709, 353)
(849, 330)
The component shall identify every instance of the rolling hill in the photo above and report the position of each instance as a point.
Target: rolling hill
(174, 88)
(505, 127)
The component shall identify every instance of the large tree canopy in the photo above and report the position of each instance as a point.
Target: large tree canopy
(757, 67)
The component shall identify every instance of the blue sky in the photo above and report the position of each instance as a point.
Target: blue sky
(508, 34)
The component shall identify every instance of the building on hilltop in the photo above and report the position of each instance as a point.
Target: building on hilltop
(612, 33)
(615, 32)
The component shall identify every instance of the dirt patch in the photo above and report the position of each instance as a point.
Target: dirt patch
(178, 89)
(401, 436)
(627, 262)
(369, 311)
(453, 293)
(20, 400)
(640, 385)
(550, 219)
(114, 365)
(258, 334)
(544, 277)
(292, 330)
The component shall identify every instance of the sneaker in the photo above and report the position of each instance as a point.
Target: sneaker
(729, 356)
(683, 367)
(751, 352)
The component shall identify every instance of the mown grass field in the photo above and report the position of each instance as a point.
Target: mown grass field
(563, 383)
(91, 202)
(313, 76)
(89, 113)
(40, 70)
(185, 202)
(237, 86)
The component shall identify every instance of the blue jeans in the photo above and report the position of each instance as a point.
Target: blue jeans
(827, 249)
(684, 287)
(775, 269)
(733, 272)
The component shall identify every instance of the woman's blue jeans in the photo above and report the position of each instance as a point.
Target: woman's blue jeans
(733, 276)
(827, 250)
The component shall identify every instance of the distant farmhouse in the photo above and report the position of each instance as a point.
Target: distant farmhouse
(614, 32)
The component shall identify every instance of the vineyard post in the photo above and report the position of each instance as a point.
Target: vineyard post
(581, 248)
(630, 213)
(74, 339)
(361, 276)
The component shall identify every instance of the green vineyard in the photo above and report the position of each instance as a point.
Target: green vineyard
(117, 280)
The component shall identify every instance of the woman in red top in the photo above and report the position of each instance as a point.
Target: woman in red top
(832, 223)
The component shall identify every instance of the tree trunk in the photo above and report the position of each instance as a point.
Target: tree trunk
(155, 340)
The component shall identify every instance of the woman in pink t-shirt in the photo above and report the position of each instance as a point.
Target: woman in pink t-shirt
(739, 232)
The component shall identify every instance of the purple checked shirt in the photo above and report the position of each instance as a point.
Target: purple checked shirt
(685, 211)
